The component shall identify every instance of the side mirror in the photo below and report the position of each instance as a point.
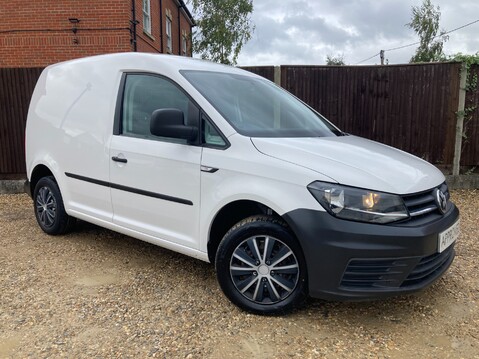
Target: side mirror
(169, 122)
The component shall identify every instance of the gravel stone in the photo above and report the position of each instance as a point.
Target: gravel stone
(97, 294)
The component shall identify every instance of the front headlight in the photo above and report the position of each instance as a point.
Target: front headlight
(359, 204)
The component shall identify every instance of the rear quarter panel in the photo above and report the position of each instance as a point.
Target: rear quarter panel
(69, 127)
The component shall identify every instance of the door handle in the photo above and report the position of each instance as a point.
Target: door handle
(208, 169)
(119, 159)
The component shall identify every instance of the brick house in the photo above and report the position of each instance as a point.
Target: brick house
(41, 32)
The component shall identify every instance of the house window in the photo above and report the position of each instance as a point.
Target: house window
(146, 16)
(183, 45)
(169, 43)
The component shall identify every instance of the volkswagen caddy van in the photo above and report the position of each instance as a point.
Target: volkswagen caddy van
(222, 165)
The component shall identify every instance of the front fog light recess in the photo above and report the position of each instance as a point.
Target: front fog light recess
(359, 204)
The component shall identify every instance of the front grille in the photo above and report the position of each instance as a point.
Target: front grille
(422, 207)
(384, 273)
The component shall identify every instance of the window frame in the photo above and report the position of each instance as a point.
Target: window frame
(169, 39)
(147, 15)
(184, 46)
(205, 118)
(199, 142)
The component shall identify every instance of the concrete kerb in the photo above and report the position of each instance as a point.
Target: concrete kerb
(463, 181)
(454, 182)
(11, 186)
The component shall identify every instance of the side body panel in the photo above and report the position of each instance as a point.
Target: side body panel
(69, 129)
(246, 174)
(164, 169)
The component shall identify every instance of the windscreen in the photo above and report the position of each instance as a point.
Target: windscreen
(257, 108)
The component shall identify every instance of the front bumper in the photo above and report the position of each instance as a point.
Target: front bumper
(357, 261)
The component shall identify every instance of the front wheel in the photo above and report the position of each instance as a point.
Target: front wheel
(260, 266)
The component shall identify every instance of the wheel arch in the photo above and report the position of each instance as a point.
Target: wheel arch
(234, 212)
(228, 216)
(39, 172)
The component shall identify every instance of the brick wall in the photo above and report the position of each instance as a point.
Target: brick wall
(153, 42)
(170, 5)
(38, 33)
(42, 34)
(186, 31)
(148, 42)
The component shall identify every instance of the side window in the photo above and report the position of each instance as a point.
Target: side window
(211, 136)
(144, 94)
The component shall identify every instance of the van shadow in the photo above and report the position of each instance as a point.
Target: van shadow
(435, 303)
(142, 258)
(137, 257)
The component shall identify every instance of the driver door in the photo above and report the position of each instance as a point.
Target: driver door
(155, 181)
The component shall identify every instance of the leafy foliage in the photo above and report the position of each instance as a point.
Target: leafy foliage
(224, 26)
(335, 60)
(425, 22)
(465, 58)
(470, 109)
(471, 83)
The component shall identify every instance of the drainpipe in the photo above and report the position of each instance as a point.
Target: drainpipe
(161, 26)
(179, 27)
(133, 22)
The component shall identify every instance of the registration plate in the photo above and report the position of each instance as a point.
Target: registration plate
(448, 237)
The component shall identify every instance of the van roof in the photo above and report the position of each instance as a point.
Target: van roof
(139, 61)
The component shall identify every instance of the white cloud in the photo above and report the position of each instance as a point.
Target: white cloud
(304, 32)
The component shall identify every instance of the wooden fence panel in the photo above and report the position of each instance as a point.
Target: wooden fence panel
(411, 107)
(266, 71)
(16, 88)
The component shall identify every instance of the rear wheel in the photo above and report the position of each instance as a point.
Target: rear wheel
(260, 266)
(49, 210)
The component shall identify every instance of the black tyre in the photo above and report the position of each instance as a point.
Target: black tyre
(49, 209)
(260, 266)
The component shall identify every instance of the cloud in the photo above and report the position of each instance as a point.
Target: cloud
(304, 32)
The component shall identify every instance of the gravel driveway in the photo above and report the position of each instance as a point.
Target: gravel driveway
(95, 293)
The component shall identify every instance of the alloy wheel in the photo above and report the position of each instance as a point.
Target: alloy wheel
(264, 269)
(46, 207)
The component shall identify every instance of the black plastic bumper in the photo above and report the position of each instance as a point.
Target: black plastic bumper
(356, 261)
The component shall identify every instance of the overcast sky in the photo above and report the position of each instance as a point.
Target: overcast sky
(304, 32)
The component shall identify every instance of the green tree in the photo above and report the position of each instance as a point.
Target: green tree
(425, 22)
(335, 60)
(223, 27)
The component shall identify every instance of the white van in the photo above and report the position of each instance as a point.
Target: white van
(224, 166)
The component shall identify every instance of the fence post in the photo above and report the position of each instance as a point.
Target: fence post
(456, 162)
(277, 75)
